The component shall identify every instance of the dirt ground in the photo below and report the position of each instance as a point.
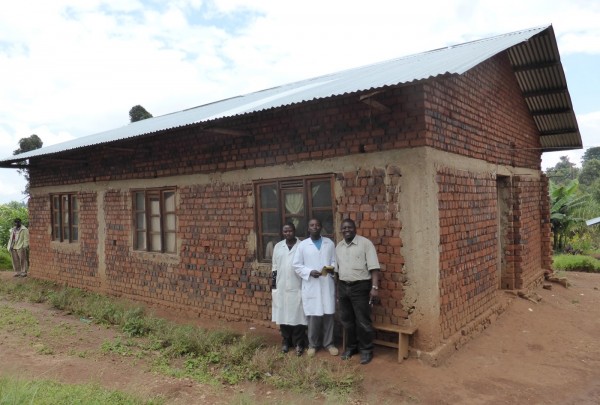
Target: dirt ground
(534, 353)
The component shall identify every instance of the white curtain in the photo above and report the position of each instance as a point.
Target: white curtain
(294, 204)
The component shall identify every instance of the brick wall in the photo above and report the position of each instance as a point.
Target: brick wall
(72, 264)
(370, 197)
(528, 243)
(483, 115)
(468, 246)
(213, 274)
(311, 131)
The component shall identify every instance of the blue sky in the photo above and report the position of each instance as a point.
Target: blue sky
(70, 68)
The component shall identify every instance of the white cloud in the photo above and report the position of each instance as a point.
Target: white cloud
(75, 67)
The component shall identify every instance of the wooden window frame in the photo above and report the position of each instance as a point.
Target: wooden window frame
(283, 186)
(64, 217)
(148, 230)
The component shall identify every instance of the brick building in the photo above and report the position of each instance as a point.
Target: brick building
(436, 156)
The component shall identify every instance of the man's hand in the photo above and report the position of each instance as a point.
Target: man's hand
(374, 294)
(315, 273)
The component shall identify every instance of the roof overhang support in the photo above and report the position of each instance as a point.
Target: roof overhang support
(559, 132)
(536, 66)
(553, 111)
(226, 131)
(15, 164)
(120, 148)
(65, 160)
(538, 93)
(368, 100)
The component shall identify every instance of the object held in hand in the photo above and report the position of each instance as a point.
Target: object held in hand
(326, 270)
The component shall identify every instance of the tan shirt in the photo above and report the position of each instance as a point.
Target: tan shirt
(356, 259)
(18, 238)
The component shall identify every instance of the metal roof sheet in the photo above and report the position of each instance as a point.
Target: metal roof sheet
(592, 221)
(526, 49)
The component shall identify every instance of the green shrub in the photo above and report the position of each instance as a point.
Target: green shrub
(5, 259)
(8, 213)
(576, 263)
(136, 323)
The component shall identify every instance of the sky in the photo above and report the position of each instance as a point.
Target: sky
(71, 68)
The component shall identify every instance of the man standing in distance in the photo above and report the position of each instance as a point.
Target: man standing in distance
(318, 290)
(287, 309)
(358, 274)
(18, 243)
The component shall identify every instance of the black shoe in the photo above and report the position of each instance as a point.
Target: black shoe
(348, 353)
(285, 348)
(17, 275)
(366, 357)
(299, 350)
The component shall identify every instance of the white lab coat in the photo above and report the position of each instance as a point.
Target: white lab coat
(318, 294)
(287, 298)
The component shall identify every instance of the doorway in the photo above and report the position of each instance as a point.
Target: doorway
(505, 278)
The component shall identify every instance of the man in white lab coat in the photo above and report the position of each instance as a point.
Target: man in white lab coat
(318, 291)
(287, 311)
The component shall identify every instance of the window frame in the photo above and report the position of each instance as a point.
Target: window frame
(160, 218)
(282, 187)
(64, 219)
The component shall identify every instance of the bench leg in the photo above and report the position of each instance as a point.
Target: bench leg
(402, 347)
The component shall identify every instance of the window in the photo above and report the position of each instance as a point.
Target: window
(154, 220)
(65, 218)
(291, 200)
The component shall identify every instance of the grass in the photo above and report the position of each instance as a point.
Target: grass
(18, 321)
(576, 263)
(207, 356)
(5, 260)
(43, 392)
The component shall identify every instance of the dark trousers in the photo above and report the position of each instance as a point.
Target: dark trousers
(355, 315)
(293, 335)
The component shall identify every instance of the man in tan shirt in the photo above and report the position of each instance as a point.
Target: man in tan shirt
(18, 243)
(358, 275)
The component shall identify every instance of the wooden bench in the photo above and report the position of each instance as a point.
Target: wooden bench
(404, 332)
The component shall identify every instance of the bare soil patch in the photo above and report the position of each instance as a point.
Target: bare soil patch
(544, 353)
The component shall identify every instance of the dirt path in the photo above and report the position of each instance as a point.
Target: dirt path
(544, 353)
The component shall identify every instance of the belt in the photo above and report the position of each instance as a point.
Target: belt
(355, 282)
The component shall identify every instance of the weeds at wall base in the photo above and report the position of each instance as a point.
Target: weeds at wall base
(185, 351)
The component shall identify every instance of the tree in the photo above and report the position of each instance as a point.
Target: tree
(590, 172)
(563, 172)
(564, 202)
(138, 113)
(25, 145)
(30, 143)
(590, 154)
(594, 190)
(8, 213)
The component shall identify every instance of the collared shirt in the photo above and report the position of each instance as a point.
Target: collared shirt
(356, 259)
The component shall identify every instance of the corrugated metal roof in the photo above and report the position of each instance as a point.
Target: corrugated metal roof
(526, 49)
(593, 221)
(540, 75)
